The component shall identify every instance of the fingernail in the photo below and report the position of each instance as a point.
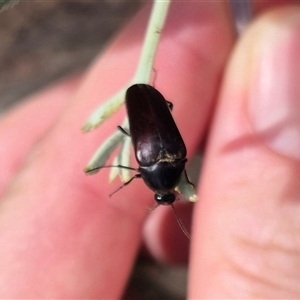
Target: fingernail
(274, 106)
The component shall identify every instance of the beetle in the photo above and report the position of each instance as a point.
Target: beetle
(158, 146)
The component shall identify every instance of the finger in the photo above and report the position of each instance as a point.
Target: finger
(75, 240)
(246, 224)
(25, 125)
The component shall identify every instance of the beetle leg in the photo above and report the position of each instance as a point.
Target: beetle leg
(170, 104)
(123, 131)
(126, 183)
(187, 178)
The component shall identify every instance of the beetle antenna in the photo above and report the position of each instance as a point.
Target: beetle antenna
(181, 224)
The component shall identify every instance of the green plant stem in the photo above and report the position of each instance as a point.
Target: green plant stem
(144, 70)
(152, 38)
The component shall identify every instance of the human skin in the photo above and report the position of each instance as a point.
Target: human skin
(63, 237)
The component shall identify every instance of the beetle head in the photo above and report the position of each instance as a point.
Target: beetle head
(165, 199)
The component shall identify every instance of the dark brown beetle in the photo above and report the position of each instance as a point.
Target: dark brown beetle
(158, 146)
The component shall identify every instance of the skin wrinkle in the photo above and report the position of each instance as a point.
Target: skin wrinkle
(253, 284)
(273, 241)
(277, 256)
(260, 276)
(264, 238)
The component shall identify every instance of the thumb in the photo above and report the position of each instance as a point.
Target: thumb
(247, 227)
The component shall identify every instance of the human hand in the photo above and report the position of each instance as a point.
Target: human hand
(63, 237)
